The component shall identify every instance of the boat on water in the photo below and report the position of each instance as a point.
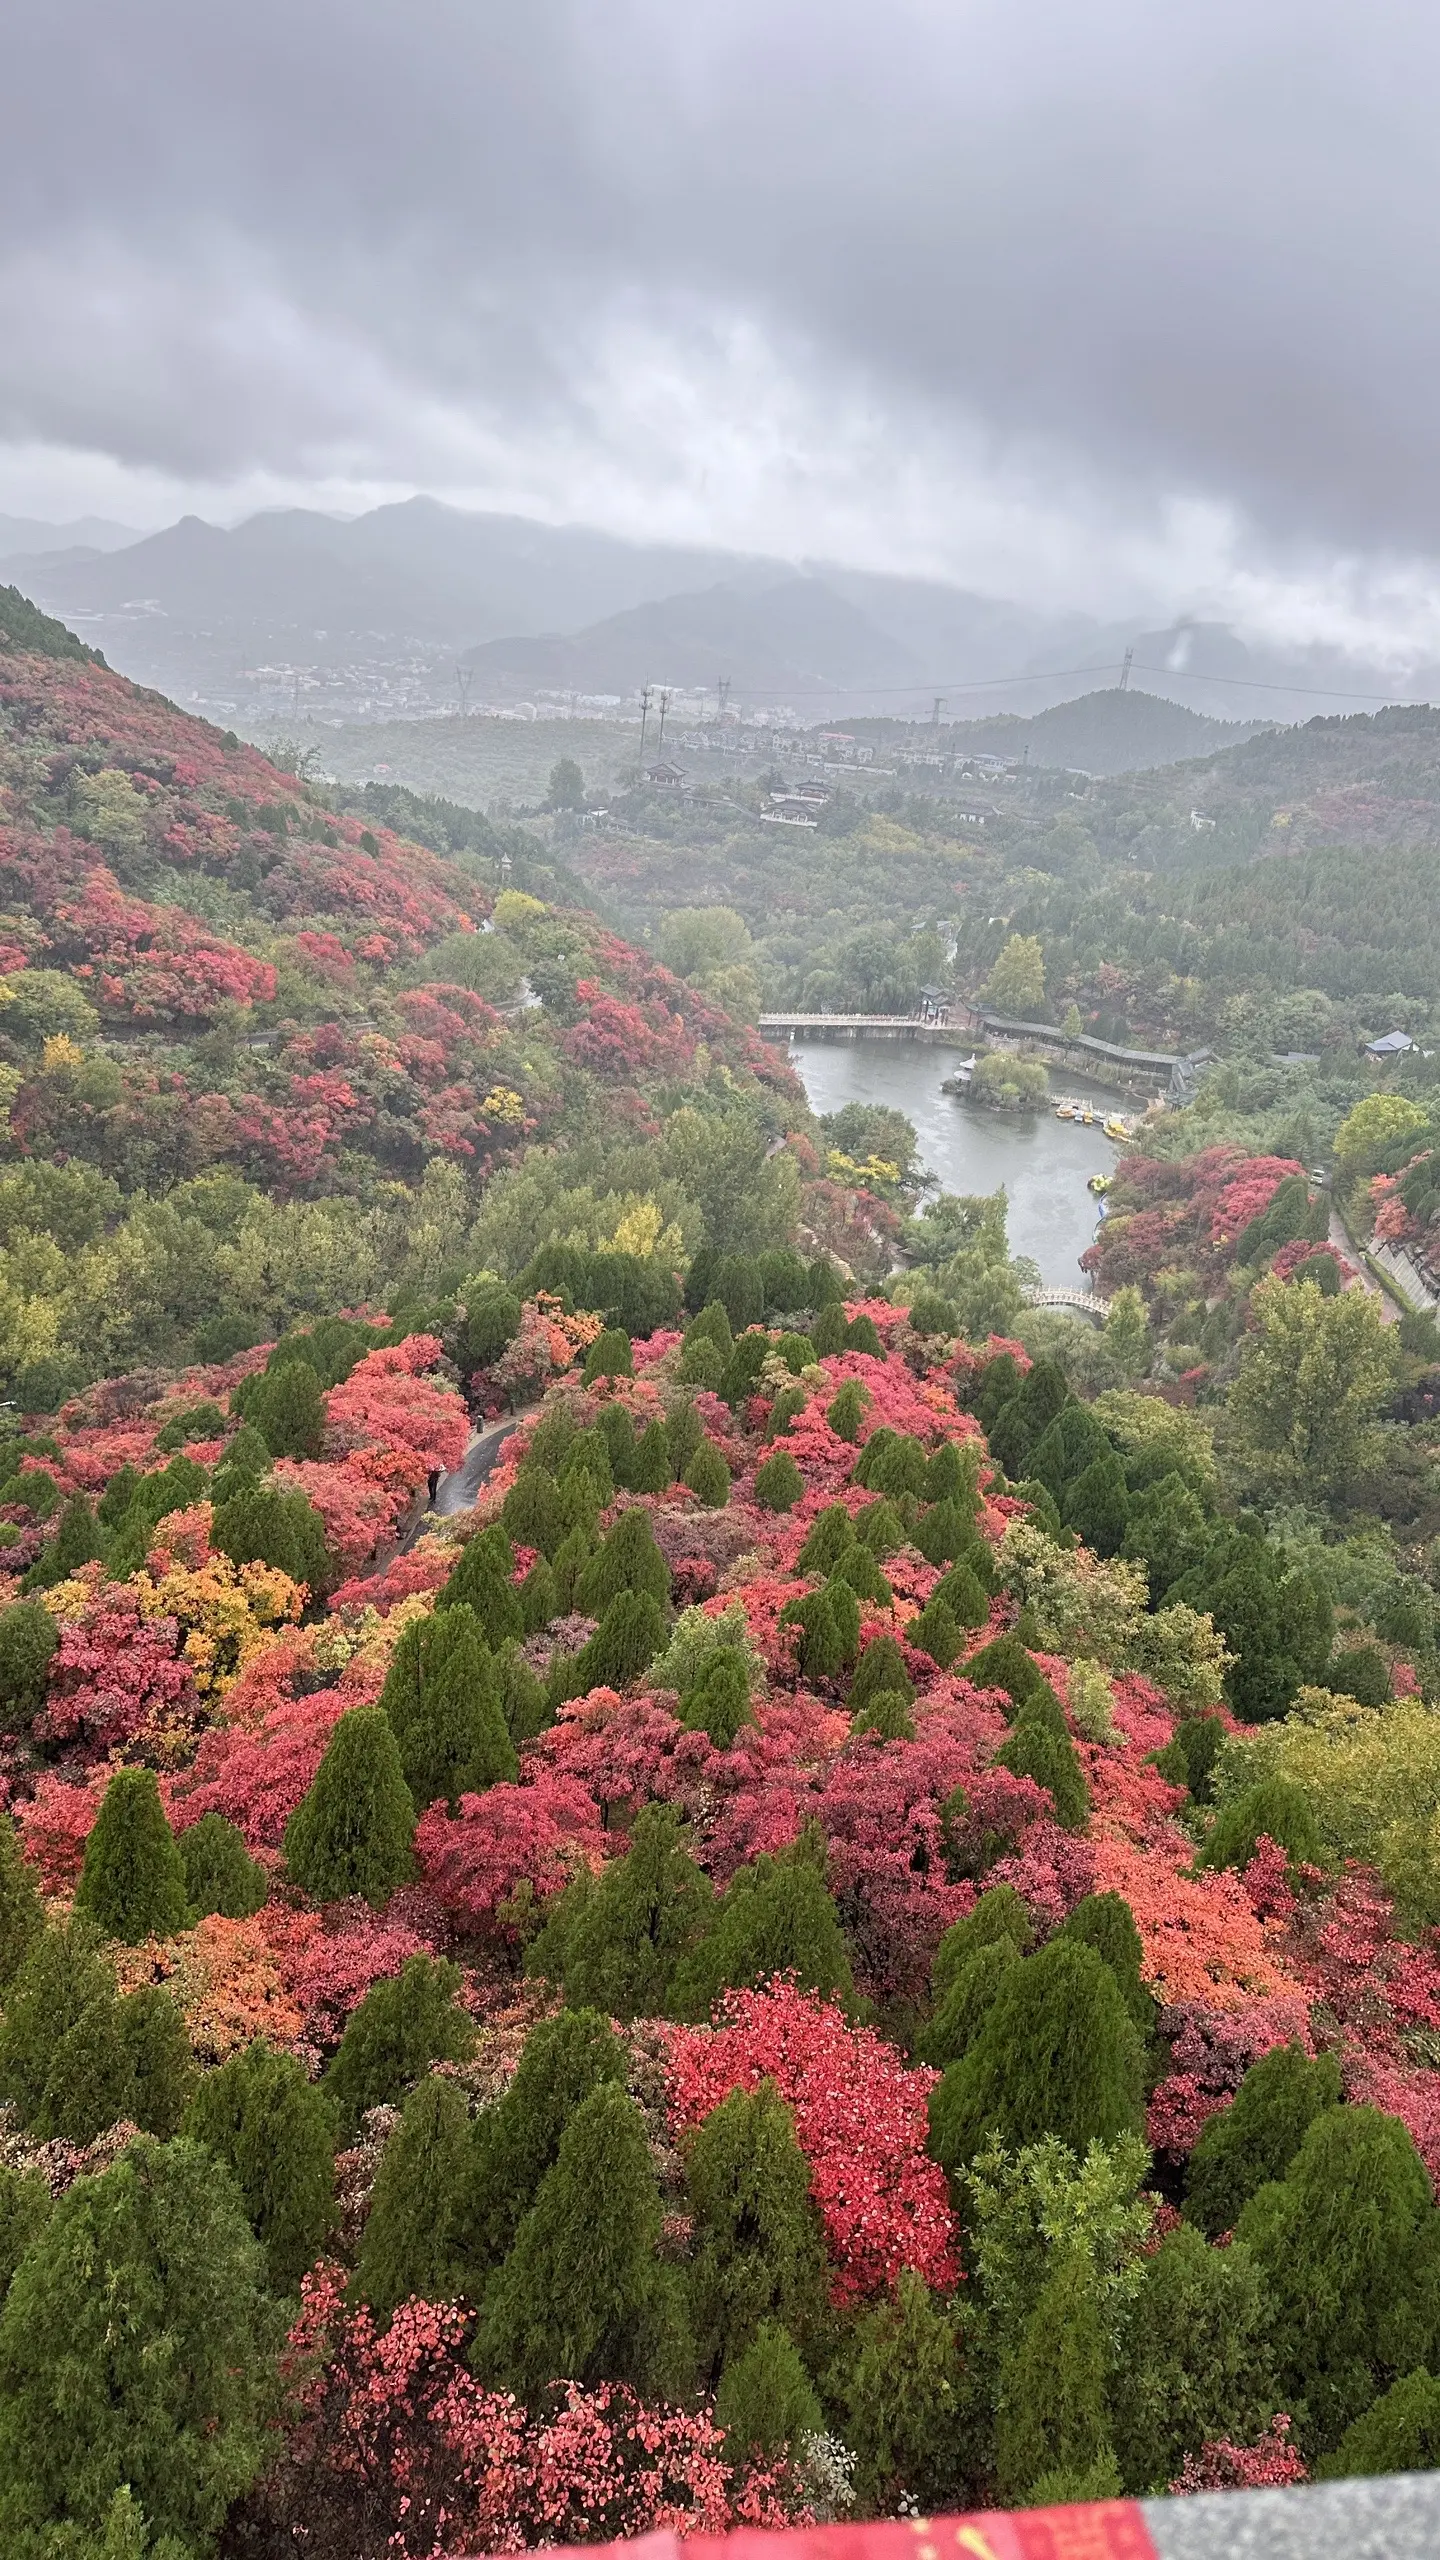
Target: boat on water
(1067, 1110)
(1118, 1128)
(1099, 1184)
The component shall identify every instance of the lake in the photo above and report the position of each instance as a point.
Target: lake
(1043, 1163)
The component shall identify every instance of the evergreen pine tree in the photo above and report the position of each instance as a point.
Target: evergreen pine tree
(845, 1617)
(1027, 1415)
(91, 2081)
(886, 1715)
(414, 2238)
(24, 2212)
(21, 1918)
(962, 1595)
(946, 1533)
(352, 1832)
(758, 2252)
(609, 1356)
(1192, 2361)
(518, 2138)
(287, 1407)
(590, 1457)
(1106, 1922)
(571, 1557)
(890, 1462)
(539, 1597)
(719, 1703)
(630, 1634)
(1398, 2432)
(969, 1999)
(482, 1583)
(845, 1412)
(827, 1333)
(162, 2069)
(1346, 2246)
(574, 2298)
(858, 1568)
(882, 1666)
(647, 1910)
(618, 1433)
(766, 2402)
(900, 2393)
(651, 1470)
(266, 1525)
(1005, 1664)
(629, 1560)
(60, 1975)
(28, 1637)
(1053, 2414)
(1056, 2054)
(936, 1633)
(1096, 1506)
(138, 2310)
(952, 1475)
(778, 1482)
(245, 1461)
(823, 1650)
(261, 2116)
(403, 2025)
(861, 1335)
(708, 1476)
(830, 1533)
(522, 1695)
(1275, 1808)
(880, 1527)
(1000, 1912)
(702, 1363)
(1038, 1746)
(132, 1884)
(531, 1510)
(712, 1325)
(220, 1874)
(775, 1917)
(1256, 2137)
(77, 1541)
(787, 1408)
(460, 1742)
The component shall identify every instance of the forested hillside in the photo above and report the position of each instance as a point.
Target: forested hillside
(857, 1936)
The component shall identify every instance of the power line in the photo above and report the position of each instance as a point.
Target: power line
(1059, 675)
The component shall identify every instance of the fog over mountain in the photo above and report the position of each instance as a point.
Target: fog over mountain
(1110, 312)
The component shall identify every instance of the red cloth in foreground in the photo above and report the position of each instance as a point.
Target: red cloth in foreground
(1111, 2529)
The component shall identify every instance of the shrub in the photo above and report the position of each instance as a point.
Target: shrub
(845, 1412)
(1192, 2367)
(1399, 2432)
(765, 2402)
(352, 1832)
(21, 1918)
(132, 1884)
(28, 1637)
(401, 2027)
(708, 1476)
(1057, 2054)
(778, 1482)
(887, 1715)
(220, 1874)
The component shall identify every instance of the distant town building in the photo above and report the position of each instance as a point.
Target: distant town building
(664, 777)
(1393, 1045)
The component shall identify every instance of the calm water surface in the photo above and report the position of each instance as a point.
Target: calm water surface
(1043, 1163)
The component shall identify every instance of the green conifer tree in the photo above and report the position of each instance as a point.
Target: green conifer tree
(28, 1637)
(352, 1833)
(21, 1918)
(881, 1528)
(617, 1431)
(539, 1597)
(522, 1695)
(531, 1510)
(1054, 2414)
(946, 1533)
(1097, 1507)
(647, 1911)
(719, 1702)
(266, 1525)
(969, 1998)
(60, 1975)
(246, 1460)
(845, 1412)
(901, 2389)
(1276, 1809)
(858, 1568)
(787, 1408)
(625, 1643)
(1192, 2365)
(778, 1482)
(287, 1407)
(766, 2402)
(702, 1363)
(830, 1533)
(91, 2081)
(1056, 2054)
(220, 1874)
(77, 1541)
(882, 1666)
(404, 2024)
(651, 1470)
(518, 2138)
(260, 2115)
(139, 2309)
(887, 1715)
(460, 1743)
(758, 2251)
(414, 2238)
(571, 1558)
(712, 1325)
(953, 1475)
(936, 1633)
(861, 1335)
(708, 1476)
(1346, 2246)
(629, 1560)
(1106, 1922)
(1027, 1415)
(891, 1462)
(609, 1356)
(482, 1582)
(774, 1917)
(161, 2065)
(1000, 1912)
(24, 2212)
(132, 1884)
(963, 1596)
(827, 1333)
(1257, 2136)
(1005, 1664)
(1399, 2432)
(1036, 1748)
(575, 2297)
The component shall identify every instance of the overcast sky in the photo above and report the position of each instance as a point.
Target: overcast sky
(1122, 305)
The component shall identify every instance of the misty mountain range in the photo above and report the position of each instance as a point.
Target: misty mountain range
(377, 616)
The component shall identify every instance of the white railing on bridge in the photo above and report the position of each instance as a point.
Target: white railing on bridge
(1083, 1299)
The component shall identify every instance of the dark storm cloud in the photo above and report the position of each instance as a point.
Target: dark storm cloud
(1195, 248)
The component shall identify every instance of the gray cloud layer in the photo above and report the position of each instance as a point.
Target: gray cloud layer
(1138, 255)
